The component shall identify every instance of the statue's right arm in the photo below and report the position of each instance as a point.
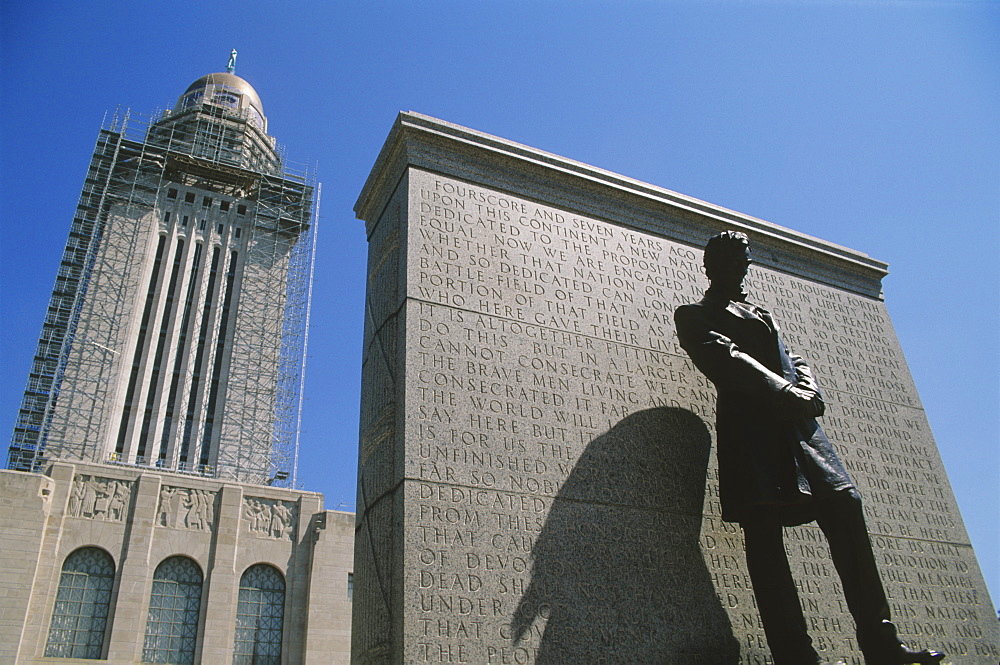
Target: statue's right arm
(721, 360)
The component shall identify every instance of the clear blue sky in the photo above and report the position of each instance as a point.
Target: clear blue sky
(874, 125)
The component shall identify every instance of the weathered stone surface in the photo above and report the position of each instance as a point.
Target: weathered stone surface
(45, 518)
(536, 482)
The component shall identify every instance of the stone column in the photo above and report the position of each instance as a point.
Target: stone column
(26, 501)
(325, 640)
(135, 574)
(222, 580)
(298, 593)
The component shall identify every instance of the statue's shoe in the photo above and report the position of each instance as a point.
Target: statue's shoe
(906, 656)
(882, 646)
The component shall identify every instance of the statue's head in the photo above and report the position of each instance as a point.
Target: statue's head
(727, 258)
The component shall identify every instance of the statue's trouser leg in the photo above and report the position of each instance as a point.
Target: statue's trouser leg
(843, 522)
(777, 598)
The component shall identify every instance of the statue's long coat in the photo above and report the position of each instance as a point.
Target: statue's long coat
(771, 465)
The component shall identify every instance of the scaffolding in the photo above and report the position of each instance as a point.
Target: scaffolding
(72, 371)
(269, 358)
(129, 261)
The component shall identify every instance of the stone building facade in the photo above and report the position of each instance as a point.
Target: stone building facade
(166, 567)
(143, 518)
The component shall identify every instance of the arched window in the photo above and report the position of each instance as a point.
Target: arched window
(259, 616)
(172, 622)
(80, 615)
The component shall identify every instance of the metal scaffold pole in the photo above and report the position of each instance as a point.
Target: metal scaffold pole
(305, 339)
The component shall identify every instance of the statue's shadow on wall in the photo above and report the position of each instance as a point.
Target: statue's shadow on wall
(618, 575)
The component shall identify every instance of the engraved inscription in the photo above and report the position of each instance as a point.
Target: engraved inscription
(558, 470)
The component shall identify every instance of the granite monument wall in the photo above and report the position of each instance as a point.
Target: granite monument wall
(536, 475)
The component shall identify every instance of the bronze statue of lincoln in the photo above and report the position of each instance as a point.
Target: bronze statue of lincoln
(777, 468)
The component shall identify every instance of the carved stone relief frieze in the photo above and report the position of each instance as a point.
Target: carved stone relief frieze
(186, 508)
(100, 498)
(269, 518)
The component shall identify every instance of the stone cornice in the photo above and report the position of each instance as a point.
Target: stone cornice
(420, 141)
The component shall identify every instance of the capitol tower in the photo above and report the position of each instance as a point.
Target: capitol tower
(150, 510)
(175, 332)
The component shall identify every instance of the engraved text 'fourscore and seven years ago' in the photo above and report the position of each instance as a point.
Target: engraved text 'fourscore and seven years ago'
(536, 330)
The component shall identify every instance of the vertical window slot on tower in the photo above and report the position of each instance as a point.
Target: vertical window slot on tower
(153, 390)
(220, 359)
(139, 346)
(175, 375)
(199, 359)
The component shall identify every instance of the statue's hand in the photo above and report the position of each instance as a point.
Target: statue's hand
(819, 405)
(804, 402)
